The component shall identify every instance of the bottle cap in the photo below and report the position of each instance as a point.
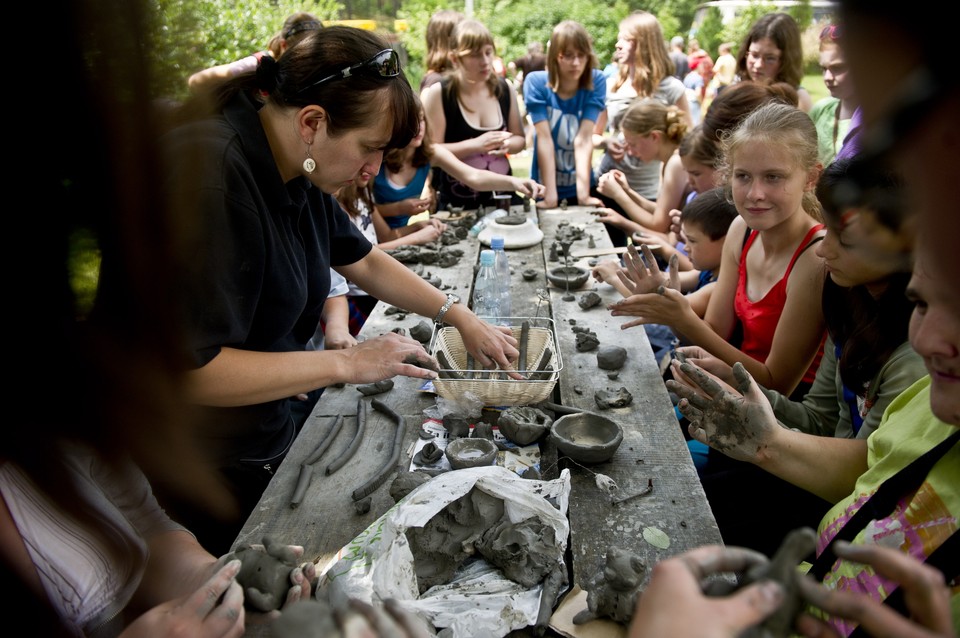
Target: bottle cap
(496, 242)
(487, 258)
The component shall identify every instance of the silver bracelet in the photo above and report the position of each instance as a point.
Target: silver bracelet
(451, 299)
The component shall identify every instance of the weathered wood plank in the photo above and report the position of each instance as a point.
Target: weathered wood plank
(653, 445)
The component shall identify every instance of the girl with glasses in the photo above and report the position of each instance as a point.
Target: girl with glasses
(263, 162)
(564, 103)
(772, 52)
(474, 113)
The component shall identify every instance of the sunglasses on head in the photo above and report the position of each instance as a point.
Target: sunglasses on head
(386, 64)
(831, 32)
(306, 25)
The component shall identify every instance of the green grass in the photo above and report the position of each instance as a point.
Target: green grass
(814, 84)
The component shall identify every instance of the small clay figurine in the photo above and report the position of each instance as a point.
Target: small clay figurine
(613, 592)
(608, 398)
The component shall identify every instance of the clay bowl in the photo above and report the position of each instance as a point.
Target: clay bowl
(463, 453)
(575, 275)
(586, 437)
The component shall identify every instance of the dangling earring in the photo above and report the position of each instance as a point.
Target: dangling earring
(309, 165)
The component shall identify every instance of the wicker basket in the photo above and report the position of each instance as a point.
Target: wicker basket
(496, 388)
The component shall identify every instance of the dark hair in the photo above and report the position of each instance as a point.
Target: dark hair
(470, 36)
(299, 23)
(736, 102)
(118, 368)
(350, 103)
(394, 158)
(868, 328)
(785, 33)
(711, 211)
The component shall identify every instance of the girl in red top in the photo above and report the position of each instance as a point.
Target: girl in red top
(770, 281)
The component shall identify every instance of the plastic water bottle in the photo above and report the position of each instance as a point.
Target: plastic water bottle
(486, 219)
(503, 275)
(486, 289)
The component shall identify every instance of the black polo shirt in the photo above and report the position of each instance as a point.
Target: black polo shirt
(261, 271)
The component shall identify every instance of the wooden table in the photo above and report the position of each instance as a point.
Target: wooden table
(653, 445)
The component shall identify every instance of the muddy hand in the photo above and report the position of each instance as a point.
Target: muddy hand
(737, 425)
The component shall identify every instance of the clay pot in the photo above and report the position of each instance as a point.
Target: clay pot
(463, 453)
(586, 437)
(575, 275)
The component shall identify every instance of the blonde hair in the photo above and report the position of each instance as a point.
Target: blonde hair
(782, 126)
(647, 115)
(570, 35)
(651, 60)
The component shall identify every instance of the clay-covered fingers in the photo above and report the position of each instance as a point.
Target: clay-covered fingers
(701, 379)
(413, 624)
(926, 595)
(218, 602)
(673, 279)
(710, 560)
(694, 397)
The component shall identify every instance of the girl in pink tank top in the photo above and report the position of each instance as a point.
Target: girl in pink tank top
(770, 286)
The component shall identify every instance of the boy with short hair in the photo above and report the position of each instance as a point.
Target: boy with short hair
(705, 220)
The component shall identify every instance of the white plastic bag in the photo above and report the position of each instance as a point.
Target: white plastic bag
(480, 600)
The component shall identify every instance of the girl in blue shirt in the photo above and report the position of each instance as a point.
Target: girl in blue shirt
(564, 103)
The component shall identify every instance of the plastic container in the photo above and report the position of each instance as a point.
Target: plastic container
(483, 221)
(503, 275)
(486, 288)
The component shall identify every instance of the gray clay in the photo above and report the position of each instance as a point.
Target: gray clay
(307, 619)
(529, 274)
(465, 452)
(613, 592)
(422, 332)
(523, 424)
(608, 398)
(406, 482)
(428, 454)
(589, 300)
(532, 474)
(587, 340)
(586, 437)
(265, 574)
(362, 506)
(611, 357)
(427, 364)
(525, 552)
(370, 389)
(457, 425)
(782, 568)
(447, 539)
(482, 431)
(613, 376)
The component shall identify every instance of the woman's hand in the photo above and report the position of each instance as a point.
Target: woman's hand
(530, 188)
(416, 205)
(615, 149)
(926, 595)
(425, 234)
(674, 602)
(738, 423)
(612, 218)
(643, 275)
(696, 355)
(491, 345)
(606, 272)
(666, 306)
(590, 201)
(384, 357)
(214, 610)
(608, 185)
(550, 200)
(494, 142)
